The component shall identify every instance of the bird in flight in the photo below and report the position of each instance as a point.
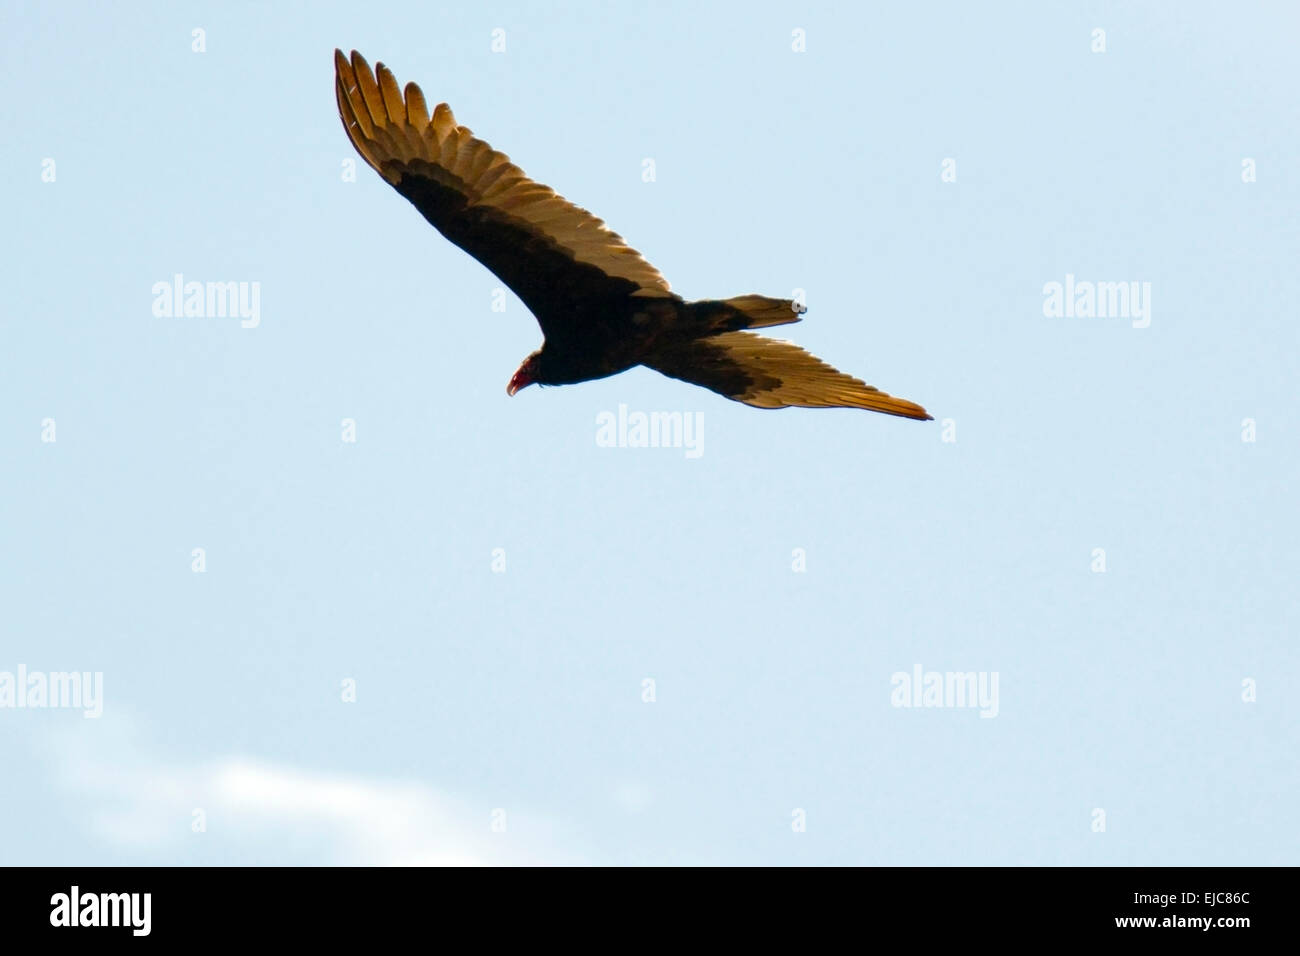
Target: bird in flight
(603, 309)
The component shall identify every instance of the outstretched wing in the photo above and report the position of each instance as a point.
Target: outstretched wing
(556, 257)
(769, 373)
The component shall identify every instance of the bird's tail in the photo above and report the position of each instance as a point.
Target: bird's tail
(748, 312)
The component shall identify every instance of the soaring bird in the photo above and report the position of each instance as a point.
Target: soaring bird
(603, 309)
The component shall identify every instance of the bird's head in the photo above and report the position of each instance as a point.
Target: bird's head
(525, 375)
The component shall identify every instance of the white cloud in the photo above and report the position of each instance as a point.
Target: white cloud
(137, 802)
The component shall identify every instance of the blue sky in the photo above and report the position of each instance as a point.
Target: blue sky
(1153, 698)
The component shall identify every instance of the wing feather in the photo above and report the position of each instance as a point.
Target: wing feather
(770, 373)
(417, 111)
(368, 88)
(556, 256)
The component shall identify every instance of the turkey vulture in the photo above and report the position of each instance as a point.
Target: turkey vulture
(603, 309)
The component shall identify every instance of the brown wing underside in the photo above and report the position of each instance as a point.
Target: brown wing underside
(769, 373)
(554, 255)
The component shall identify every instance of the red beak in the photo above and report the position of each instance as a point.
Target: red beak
(519, 380)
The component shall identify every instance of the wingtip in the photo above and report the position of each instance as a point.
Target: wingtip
(359, 63)
(903, 409)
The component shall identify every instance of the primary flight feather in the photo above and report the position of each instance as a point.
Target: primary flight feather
(603, 309)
